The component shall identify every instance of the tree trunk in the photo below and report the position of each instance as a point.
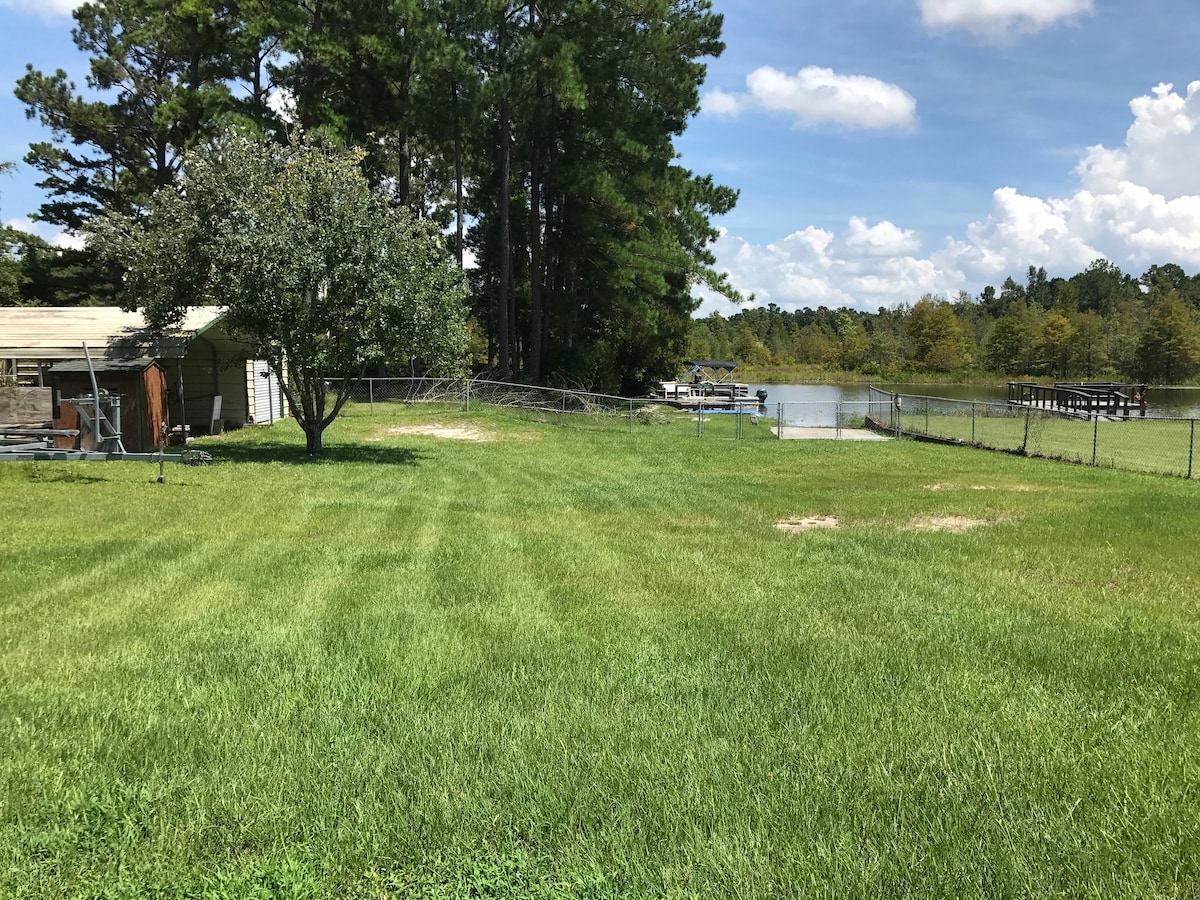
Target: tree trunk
(458, 176)
(535, 267)
(312, 439)
(502, 293)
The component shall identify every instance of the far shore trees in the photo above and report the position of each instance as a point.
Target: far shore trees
(319, 272)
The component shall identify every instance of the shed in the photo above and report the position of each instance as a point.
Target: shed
(141, 384)
(209, 373)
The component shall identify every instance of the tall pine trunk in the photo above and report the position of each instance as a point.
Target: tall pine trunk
(535, 266)
(503, 292)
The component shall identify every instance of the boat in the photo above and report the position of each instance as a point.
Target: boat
(709, 384)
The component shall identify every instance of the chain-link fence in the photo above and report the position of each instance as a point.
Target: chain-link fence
(840, 419)
(1135, 443)
(558, 406)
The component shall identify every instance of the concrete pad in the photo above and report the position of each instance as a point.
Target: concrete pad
(807, 433)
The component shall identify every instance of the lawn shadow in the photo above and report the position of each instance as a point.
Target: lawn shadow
(294, 454)
(72, 476)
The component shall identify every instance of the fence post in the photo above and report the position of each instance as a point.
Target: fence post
(700, 420)
(1095, 435)
(972, 421)
(631, 417)
(838, 420)
(1191, 447)
(1025, 440)
(468, 395)
(927, 415)
(899, 425)
(371, 390)
(779, 420)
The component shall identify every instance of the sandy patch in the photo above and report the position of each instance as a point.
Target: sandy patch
(807, 524)
(954, 524)
(435, 429)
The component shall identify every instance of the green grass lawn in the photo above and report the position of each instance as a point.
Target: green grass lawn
(1163, 446)
(575, 661)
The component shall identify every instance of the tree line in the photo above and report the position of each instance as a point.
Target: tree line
(537, 136)
(1097, 324)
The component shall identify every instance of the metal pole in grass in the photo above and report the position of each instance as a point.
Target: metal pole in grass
(838, 422)
(1095, 435)
(927, 415)
(467, 394)
(1025, 441)
(700, 421)
(631, 417)
(779, 421)
(1191, 447)
(972, 422)
(371, 390)
(898, 425)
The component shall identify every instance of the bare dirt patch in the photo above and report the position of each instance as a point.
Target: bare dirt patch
(436, 429)
(808, 523)
(953, 524)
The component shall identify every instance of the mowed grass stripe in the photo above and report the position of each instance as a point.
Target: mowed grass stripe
(580, 662)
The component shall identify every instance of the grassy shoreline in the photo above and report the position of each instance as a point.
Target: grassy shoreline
(572, 661)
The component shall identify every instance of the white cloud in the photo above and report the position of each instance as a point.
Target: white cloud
(1136, 205)
(815, 95)
(884, 239)
(45, 9)
(282, 102)
(994, 18)
(1161, 147)
(55, 237)
(864, 267)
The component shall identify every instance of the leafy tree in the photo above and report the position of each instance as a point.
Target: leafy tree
(1037, 287)
(1161, 280)
(1051, 347)
(10, 269)
(1169, 349)
(1103, 286)
(1086, 350)
(1007, 349)
(319, 272)
(940, 342)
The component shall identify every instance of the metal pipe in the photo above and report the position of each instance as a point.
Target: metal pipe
(1191, 447)
(95, 398)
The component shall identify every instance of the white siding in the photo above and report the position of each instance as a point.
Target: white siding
(268, 399)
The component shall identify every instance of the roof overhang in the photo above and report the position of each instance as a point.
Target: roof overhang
(47, 333)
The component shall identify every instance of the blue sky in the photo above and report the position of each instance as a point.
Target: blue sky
(889, 148)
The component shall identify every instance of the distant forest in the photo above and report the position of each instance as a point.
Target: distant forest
(1100, 323)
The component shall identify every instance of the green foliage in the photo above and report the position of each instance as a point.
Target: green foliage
(318, 271)
(1169, 349)
(1050, 328)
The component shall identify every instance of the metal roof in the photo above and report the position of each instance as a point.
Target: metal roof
(138, 364)
(59, 332)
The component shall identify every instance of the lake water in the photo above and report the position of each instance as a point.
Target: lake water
(1169, 402)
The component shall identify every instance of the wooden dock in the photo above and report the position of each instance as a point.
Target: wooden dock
(1086, 400)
